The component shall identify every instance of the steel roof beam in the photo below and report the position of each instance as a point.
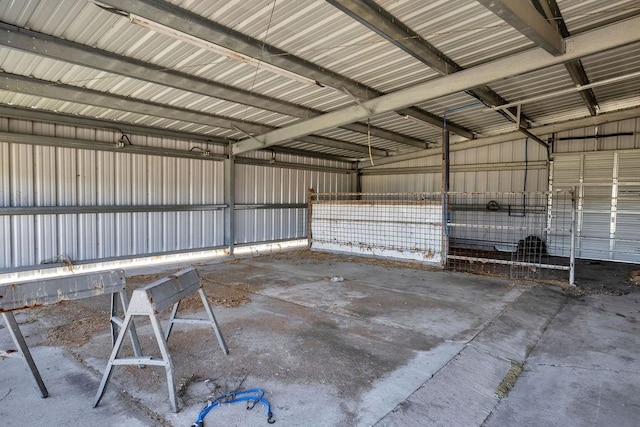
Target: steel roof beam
(75, 120)
(171, 16)
(574, 68)
(380, 21)
(587, 43)
(540, 131)
(86, 56)
(387, 26)
(35, 87)
(524, 17)
(123, 127)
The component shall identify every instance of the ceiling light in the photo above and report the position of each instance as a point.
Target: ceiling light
(217, 49)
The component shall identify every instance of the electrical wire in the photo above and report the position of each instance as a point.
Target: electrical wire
(264, 42)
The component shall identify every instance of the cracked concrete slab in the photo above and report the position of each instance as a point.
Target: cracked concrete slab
(393, 344)
(584, 371)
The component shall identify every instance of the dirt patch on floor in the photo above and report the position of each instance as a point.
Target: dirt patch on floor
(634, 277)
(78, 324)
(219, 294)
(304, 256)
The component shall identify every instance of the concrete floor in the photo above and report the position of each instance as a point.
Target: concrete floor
(390, 345)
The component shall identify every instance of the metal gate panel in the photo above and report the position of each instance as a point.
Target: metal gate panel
(629, 167)
(598, 167)
(608, 225)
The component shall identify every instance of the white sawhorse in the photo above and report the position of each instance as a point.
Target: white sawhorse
(149, 301)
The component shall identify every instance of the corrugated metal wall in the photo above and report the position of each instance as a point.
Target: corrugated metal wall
(624, 136)
(494, 168)
(274, 186)
(602, 163)
(111, 183)
(35, 176)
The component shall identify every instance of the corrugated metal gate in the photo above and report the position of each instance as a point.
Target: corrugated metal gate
(608, 189)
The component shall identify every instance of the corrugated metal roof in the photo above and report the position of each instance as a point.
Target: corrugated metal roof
(464, 30)
(319, 33)
(581, 15)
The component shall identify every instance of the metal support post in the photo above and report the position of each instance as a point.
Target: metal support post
(229, 200)
(445, 195)
(356, 180)
(311, 197)
(572, 253)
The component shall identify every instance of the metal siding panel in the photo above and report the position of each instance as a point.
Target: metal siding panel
(629, 167)
(566, 170)
(23, 240)
(273, 185)
(598, 167)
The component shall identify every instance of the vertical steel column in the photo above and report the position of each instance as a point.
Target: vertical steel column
(230, 201)
(614, 207)
(446, 170)
(311, 195)
(356, 180)
(572, 253)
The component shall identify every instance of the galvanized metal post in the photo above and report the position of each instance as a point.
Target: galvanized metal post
(445, 194)
(311, 195)
(572, 253)
(356, 180)
(229, 200)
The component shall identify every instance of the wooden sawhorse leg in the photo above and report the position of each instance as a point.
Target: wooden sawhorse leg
(18, 339)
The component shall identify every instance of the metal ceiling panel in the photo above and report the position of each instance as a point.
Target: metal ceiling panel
(464, 30)
(320, 33)
(316, 31)
(614, 64)
(408, 125)
(582, 15)
(546, 81)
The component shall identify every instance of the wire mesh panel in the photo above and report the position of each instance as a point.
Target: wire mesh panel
(517, 235)
(396, 225)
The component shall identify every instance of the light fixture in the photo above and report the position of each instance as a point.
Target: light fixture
(212, 47)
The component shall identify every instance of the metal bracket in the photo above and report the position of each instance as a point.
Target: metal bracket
(149, 301)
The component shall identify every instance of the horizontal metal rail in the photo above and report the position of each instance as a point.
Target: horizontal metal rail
(66, 210)
(508, 262)
(504, 227)
(374, 221)
(271, 206)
